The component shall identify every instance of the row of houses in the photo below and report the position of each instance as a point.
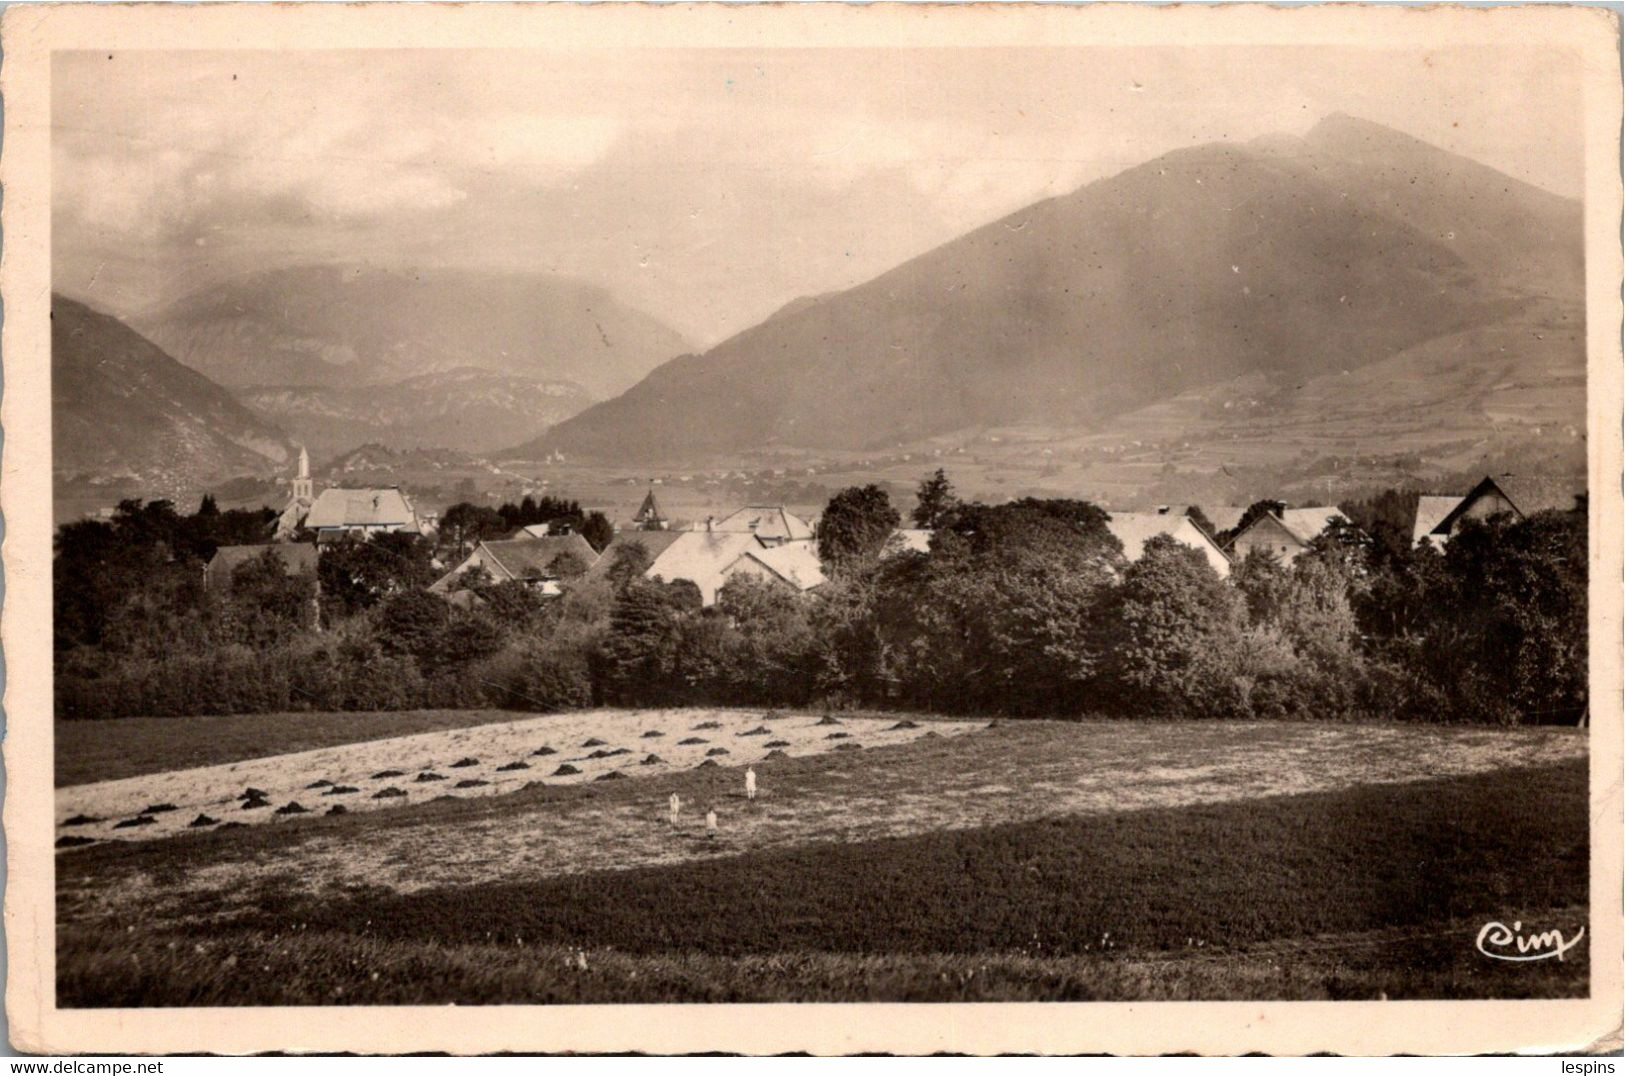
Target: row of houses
(1287, 535)
(767, 542)
(771, 543)
(1132, 529)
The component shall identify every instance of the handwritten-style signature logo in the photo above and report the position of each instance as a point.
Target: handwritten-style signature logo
(1501, 942)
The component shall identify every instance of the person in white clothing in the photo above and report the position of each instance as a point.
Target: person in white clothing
(711, 824)
(676, 807)
(750, 783)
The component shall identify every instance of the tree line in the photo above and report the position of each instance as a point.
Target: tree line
(465, 524)
(1025, 609)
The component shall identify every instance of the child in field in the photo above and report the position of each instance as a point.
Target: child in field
(676, 805)
(750, 783)
(711, 824)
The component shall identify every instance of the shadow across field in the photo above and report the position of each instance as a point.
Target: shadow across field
(1018, 772)
(1379, 888)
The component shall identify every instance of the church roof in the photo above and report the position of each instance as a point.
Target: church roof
(361, 508)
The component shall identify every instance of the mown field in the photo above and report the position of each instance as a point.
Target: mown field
(1199, 860)
(107, 750)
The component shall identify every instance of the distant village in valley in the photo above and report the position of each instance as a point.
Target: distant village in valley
(773, 544)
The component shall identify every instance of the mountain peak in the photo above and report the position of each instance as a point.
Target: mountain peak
(1345, 131)
(1287, 258)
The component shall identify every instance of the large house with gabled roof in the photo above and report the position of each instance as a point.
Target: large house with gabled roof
(1437, 518)
(763, 541)
(770, 524)
(1134, 529)
(1285, 537)
(537, 562)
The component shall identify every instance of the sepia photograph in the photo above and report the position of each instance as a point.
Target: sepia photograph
(778, 519)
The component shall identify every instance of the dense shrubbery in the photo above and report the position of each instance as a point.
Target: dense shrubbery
(1027, 608)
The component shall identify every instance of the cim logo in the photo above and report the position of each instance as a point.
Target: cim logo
(1500, 942)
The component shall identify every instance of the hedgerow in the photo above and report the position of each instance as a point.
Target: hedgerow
(1026, 609)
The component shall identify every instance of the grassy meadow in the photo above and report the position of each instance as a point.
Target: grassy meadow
(1027, 860)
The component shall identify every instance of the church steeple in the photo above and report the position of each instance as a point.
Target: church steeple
(649, 517)
(303, 487)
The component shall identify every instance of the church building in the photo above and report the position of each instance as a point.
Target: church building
(338, 514)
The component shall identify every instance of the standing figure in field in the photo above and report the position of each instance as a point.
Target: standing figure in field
(711, 824)
(750, 783)
(676, 805)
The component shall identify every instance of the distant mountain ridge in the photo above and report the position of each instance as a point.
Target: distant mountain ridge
(1291, 258)
(467, 409)
(121, 407)
(349, 325)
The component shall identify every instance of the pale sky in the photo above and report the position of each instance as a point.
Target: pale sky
(708, 187)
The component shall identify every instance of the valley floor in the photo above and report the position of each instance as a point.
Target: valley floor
(1021, 860)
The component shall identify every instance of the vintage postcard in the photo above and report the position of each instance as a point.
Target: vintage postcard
(822, 528)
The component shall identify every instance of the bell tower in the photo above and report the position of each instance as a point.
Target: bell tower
(303, 488)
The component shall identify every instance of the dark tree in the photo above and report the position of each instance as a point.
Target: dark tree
(520, 607)
(628, 563)
(1386, 517)
(640, 647)
(359, 574)
(598, 531)
(855, 526)
(412, 623)
(465, 524)
(1263, 583)
(1512, 643)
(1344, 542)
(935, 500)
(565, 566)
(267, 604)
(1176, 628)
(684, 596)
(1069, 532)
(467, 637)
